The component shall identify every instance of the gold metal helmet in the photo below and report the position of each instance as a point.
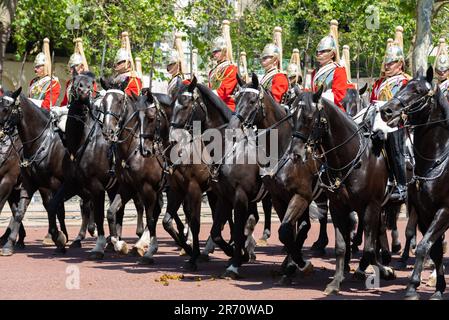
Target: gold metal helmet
(330, 42)
(394, 53)
(271, 50)
(442, 58)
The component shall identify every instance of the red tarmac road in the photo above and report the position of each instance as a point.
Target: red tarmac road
(35, 273)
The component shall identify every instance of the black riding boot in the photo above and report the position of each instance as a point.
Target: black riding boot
(396, 154)
(111, 159)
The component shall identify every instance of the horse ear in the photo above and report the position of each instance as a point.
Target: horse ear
(192, 84)
(254, 80)
(429, 74)
(16, 93)
(317, 95)
(150, 97)
(74, 72)
(363, 90)
(105, 83)
(240, 80)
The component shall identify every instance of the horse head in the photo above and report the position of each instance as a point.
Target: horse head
(83, 86)
(151, 119)
(9, 109)
(249, 103)
(413, 103)
(114, 106)
(187, 108)
(306, 121)
(353, 102)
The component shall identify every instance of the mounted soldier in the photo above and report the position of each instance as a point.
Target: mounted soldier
(44, 88)
(176, 66)
(442, 67)
(274, 80)
(124, 68)
(223, 77)
(331, 75)
(294, 75)
(243, 67)
(393, 78)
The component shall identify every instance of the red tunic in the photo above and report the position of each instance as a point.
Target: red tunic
(275, 82)
(223, 79)
(337, 82)
(44, 91)
(395, 84)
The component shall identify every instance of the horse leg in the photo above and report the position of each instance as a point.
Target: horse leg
(342, 226)
(437, 228)
(195, 196)
(209, 248)
(287, 234)
(114, 210)
(241, 216)
(85, 212)
(392, 212)
(174, 201)
(91, 228)
(97, 252)
(4, 194)
(410, 234)
(250, 243)
(382, 243)
(358, 238)
(13, 201)
(222, 212)
(321, 243)
(436, 254)
(267, 205)
(152, 211)
(140, 210)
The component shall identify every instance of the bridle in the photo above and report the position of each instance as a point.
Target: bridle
(249, 121)
(197, 103)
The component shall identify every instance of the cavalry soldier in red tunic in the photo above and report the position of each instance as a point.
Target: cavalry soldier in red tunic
(125, 68)
(175, 67)
(223, 77)
(384, 89)
(331, 75)
(44, 89)
(294, 76)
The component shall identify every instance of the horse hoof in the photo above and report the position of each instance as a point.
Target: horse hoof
(203, 258)
(307, 269)
(137, 252)
(331, 290)
(59, 251)
(47, 242)
(182, 253)
(3, 241)
(228, 274)
(76, 244)
(262, 242)
(144, 260)
(412, 296)
(91, 230)
(389, 274)
(396, 248)
(19, 246)
(190, 266)
(124, 250)
(6, 252)
(319, 245)
(96, 256)
(252, 257)
(437, 296)
(284, 281)
(432, 281)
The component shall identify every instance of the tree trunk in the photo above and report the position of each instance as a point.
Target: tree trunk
(423, 35)
(7, 11)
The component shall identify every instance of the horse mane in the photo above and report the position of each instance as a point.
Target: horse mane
(43, 111)
(329, 104)
(278, 110)
(212, 98)
(163, 98)
(444, 103)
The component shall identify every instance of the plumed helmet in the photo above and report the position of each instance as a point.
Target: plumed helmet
(40, 59)
(75, 59)
(394, 53)
(442, 63)
(271, 50)
(172, 57)
(292, 70)
(122, 55)
(327, 43)
(218, 44)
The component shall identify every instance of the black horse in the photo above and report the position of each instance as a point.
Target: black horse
(41, 160)
(354, 175)
(422, 107)
(195, 103)
(239, 182)
(138, 126)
